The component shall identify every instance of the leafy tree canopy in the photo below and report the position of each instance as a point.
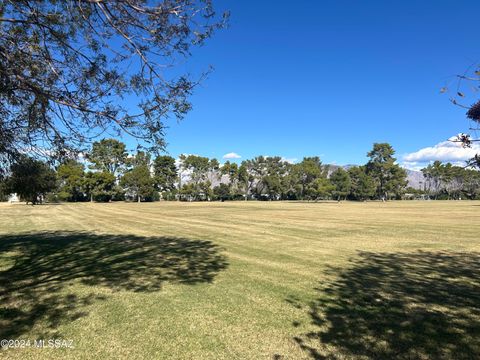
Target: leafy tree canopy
(222, 192)
(100, 186)
(109, 155)
(71, 181)
(198, 167)
(363, 185)
(342, 183)
(138, 180)
(389, 177)
(31, 179)
(66, 68)
(166, 173)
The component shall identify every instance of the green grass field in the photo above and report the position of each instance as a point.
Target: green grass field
(256, 280)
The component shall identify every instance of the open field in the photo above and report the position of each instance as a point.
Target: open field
(242, 280)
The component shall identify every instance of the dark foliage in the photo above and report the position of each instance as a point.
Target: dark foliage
(31, 179)
(474, 112)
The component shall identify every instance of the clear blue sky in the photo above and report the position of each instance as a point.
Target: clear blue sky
(329, 78)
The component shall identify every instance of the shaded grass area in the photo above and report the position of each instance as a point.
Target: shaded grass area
(34, 286)
(422, 305)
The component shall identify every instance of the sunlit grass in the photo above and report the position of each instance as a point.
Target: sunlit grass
(242, 280)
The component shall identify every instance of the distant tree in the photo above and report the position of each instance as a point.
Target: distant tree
(457, 183)
(272, 186)
(308, 171)
(166, 173)
(188, 192)
(205, 191)
(118, 192)
(71, 181)
(396, 185)
(67, 65)
(267, 174)
(140, 158)
(232, 170)
(108, 155)
(342, 183)
(363, 185)
(257, 170)
(213, 175)
(222, 192)
(100, 186)
(320, 188)
(246, 179)
(171, 195)
(138, 181)
(446, 181)
(3, 189)
(31, 179)
(389, 177)
(292, 189)
(411, 193)
(471, 184)
(197, 166)
(432, 174)
(202, 171)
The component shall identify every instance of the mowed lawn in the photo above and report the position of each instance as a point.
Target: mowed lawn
(234, 280)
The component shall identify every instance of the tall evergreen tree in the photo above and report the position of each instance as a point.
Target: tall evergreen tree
(100, 186)
(246, 179)
(109, 155)
(308, 171)
(342, 182)
(389, 177)
(31, 179)
(201, 171)
(363, 185)
(71, 181)
(138, 180)
(320, 188)
(166, 173)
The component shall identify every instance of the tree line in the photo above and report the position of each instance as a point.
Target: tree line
(109, 173)
(447, 181)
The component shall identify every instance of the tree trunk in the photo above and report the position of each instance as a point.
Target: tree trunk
(179, 198)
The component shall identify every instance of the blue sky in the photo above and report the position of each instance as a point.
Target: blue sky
(329, 78)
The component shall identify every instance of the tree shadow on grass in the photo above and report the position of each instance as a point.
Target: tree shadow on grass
(36, 271)
(423, 305)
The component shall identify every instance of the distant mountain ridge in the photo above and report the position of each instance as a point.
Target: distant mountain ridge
(415, 179)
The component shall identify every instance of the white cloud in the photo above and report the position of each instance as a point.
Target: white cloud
(231, 155)
(413, 165)
(445, 151)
